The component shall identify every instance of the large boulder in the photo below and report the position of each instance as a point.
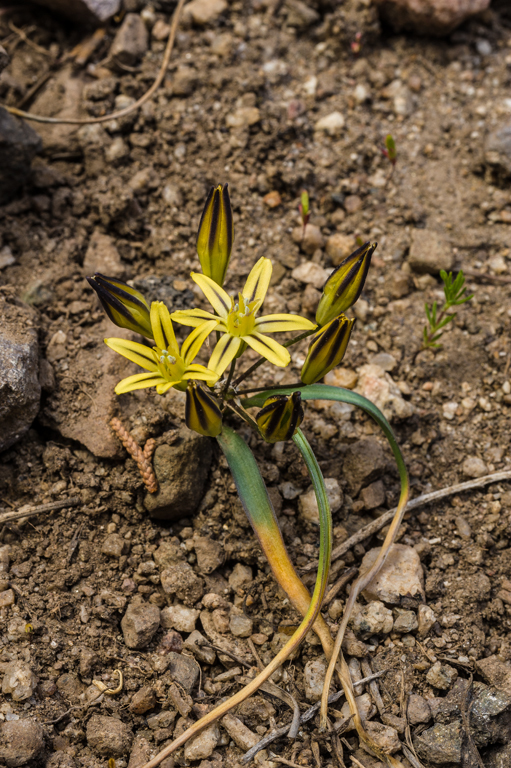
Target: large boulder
(20, 390)
(429, 17)
(19, 144)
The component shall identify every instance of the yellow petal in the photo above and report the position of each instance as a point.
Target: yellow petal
(162, 328)
(138, 381)
(137, 353)
(258, 281)
(200, 372)
(217, 297)
(192, 317)
(224, 353)
(274, 323)
(193, 342)
(269, 348)
(162, 388)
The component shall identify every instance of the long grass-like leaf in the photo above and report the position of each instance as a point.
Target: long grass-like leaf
(248, 481)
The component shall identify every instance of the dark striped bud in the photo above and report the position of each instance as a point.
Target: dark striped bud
(280, 417)
(125, 306)
(216, 234)
(345, 284)
(202, 411)
(327, 349)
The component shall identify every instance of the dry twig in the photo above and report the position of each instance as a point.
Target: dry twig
(122, 112)
(420, 501)
(74, 501)
(141, 457)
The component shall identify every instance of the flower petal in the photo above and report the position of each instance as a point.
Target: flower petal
(217, 297)
(193, 342)
(269, 348)
(274, 323)
(224, 353)
(162, 388)
(200, 372)
(137, 353)
(258, 281)
(162, 328)
(139, 381)
(192, 317)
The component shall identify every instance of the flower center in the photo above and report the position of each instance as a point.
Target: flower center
(241, 318)
(171, 368)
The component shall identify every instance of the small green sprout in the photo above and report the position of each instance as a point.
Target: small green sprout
(304, 208)
(455, 294)
(390, 151)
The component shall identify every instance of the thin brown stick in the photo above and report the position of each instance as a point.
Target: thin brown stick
(498, 279)
(341, 582)
(122, 112)
(142, 457)
(420, 501)
(74, 501)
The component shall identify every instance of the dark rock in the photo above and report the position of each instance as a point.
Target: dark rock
(20, 390)
(181, 469)
(496, 672)
(130, 42)
(108, 737)
(182, 581)
(429, 17)
(497, 150)
(499, 757)
(20, 741)
(19, 144)
(440, 744)
(83, 11)
(143, 700)
(374, 495)
(4, 58)
(364, 462)
(139, 624)
(184, 670)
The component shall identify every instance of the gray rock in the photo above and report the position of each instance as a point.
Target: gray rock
(19, 680)
(179, 617)
(203, 12)
(183, 670)
(140, 752)
(353, 646)
(102, 256)
(241, 576)
(242, 736)
(83, 11)
(364, 462)
(426, 618)
(497, 150)
(429, 17)
(430, 252)
(384, 736)
(474, 467)
(240, 624)
(441, 676)
(496, 672)
(130, 42)
(108, 737)
(400, 577)
(20, 390)
(314, 677)
(19, 144)
(20, 742)
(372, 619)
(139, 624)
(406, 621)
(181, 469)
(182, 581)
(202, 745)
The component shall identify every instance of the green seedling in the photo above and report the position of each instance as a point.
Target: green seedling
(304, 208)
(390, 151)
(455, 294)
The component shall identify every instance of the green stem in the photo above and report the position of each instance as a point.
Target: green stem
(256, 365)
(296, 384)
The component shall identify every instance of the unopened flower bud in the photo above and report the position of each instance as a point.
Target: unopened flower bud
(125, 306)
(344, 286)
(202, 412)
(216, 234)
(327, 349)
(280, 417)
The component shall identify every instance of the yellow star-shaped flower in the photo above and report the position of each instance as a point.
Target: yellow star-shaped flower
(237, 321)
(167, 365)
